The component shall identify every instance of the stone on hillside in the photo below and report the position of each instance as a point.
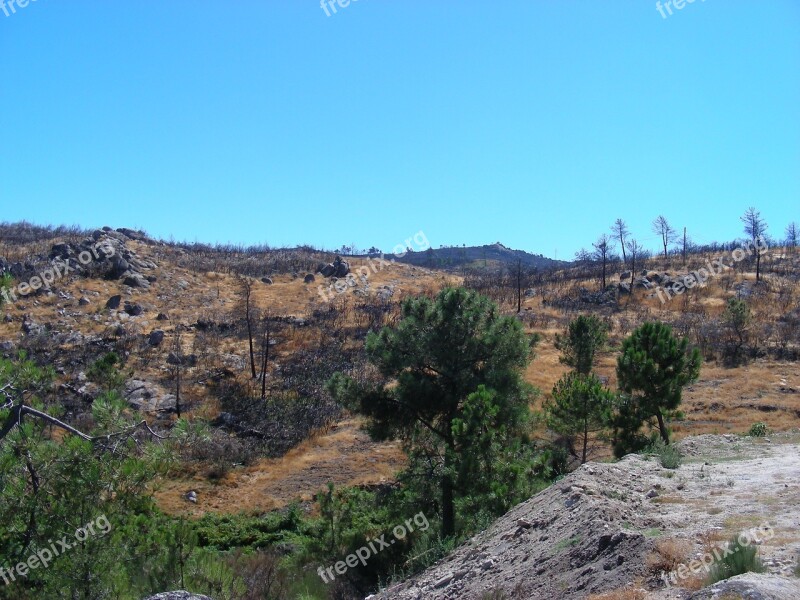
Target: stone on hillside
(136, 280)
(133, 309)
(156, 337)
(309, 278)
(148, 397)
(266, 280)
(114, 302)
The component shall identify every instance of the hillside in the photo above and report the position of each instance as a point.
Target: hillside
(616, 531)
(195, 298)
(490, 256)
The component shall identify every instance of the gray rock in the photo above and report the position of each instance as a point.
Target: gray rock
(309, 278)
(133, 310)
(156, 337)
(148, 397)
(266, 280)
(625, 275)
(136, 280)
(84, 301)
(752, 586)
(188, 360)
(114, 302)
(119, 266)
(162, 317)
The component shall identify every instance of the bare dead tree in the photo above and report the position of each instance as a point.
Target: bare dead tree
(602, 250)
(755, 227)
(635, 250)
(791, 235)
(246, 288)
(662, 228)
(265, 342)
(620, 232)
(177, 369)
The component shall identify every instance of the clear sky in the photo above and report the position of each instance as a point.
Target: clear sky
(531, 122)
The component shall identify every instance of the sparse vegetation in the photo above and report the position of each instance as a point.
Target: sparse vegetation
(739, 559)
(759, 429)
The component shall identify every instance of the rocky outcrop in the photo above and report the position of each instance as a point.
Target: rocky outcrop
(148, 397)
(752, 586)
(338, 268)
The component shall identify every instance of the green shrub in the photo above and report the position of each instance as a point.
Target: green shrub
(758, 430)
(740, 559)
(668, 455)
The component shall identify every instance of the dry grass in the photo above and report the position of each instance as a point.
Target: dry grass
(626, 593)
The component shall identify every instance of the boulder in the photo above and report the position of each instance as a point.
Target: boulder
(119, 266)
(625, 275)
(266, 280)
(309, 278)
(752, 586)
(133, 310)
(148, 397)
(136, 280)
(156, 337)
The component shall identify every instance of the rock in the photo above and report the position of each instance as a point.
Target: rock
(752, 586)
(136, 280)
(119, 266)
(530, 293)
(651, 494)
(266, 280)
(133, 310)
(624, 288)
(114, 302)
(625, 275)
(338, 268)
(162, 317)
(309, 278)
(62, 251)
(148, 397)
(156, 337)
(6, 346)
(84, 301)
(189, 360)
(192, 497)
(31, 327)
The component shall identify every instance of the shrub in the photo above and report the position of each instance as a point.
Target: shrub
(668, 455)
(740, 559)
(758, 430)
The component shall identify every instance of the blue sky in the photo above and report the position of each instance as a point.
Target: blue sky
(535, 122)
